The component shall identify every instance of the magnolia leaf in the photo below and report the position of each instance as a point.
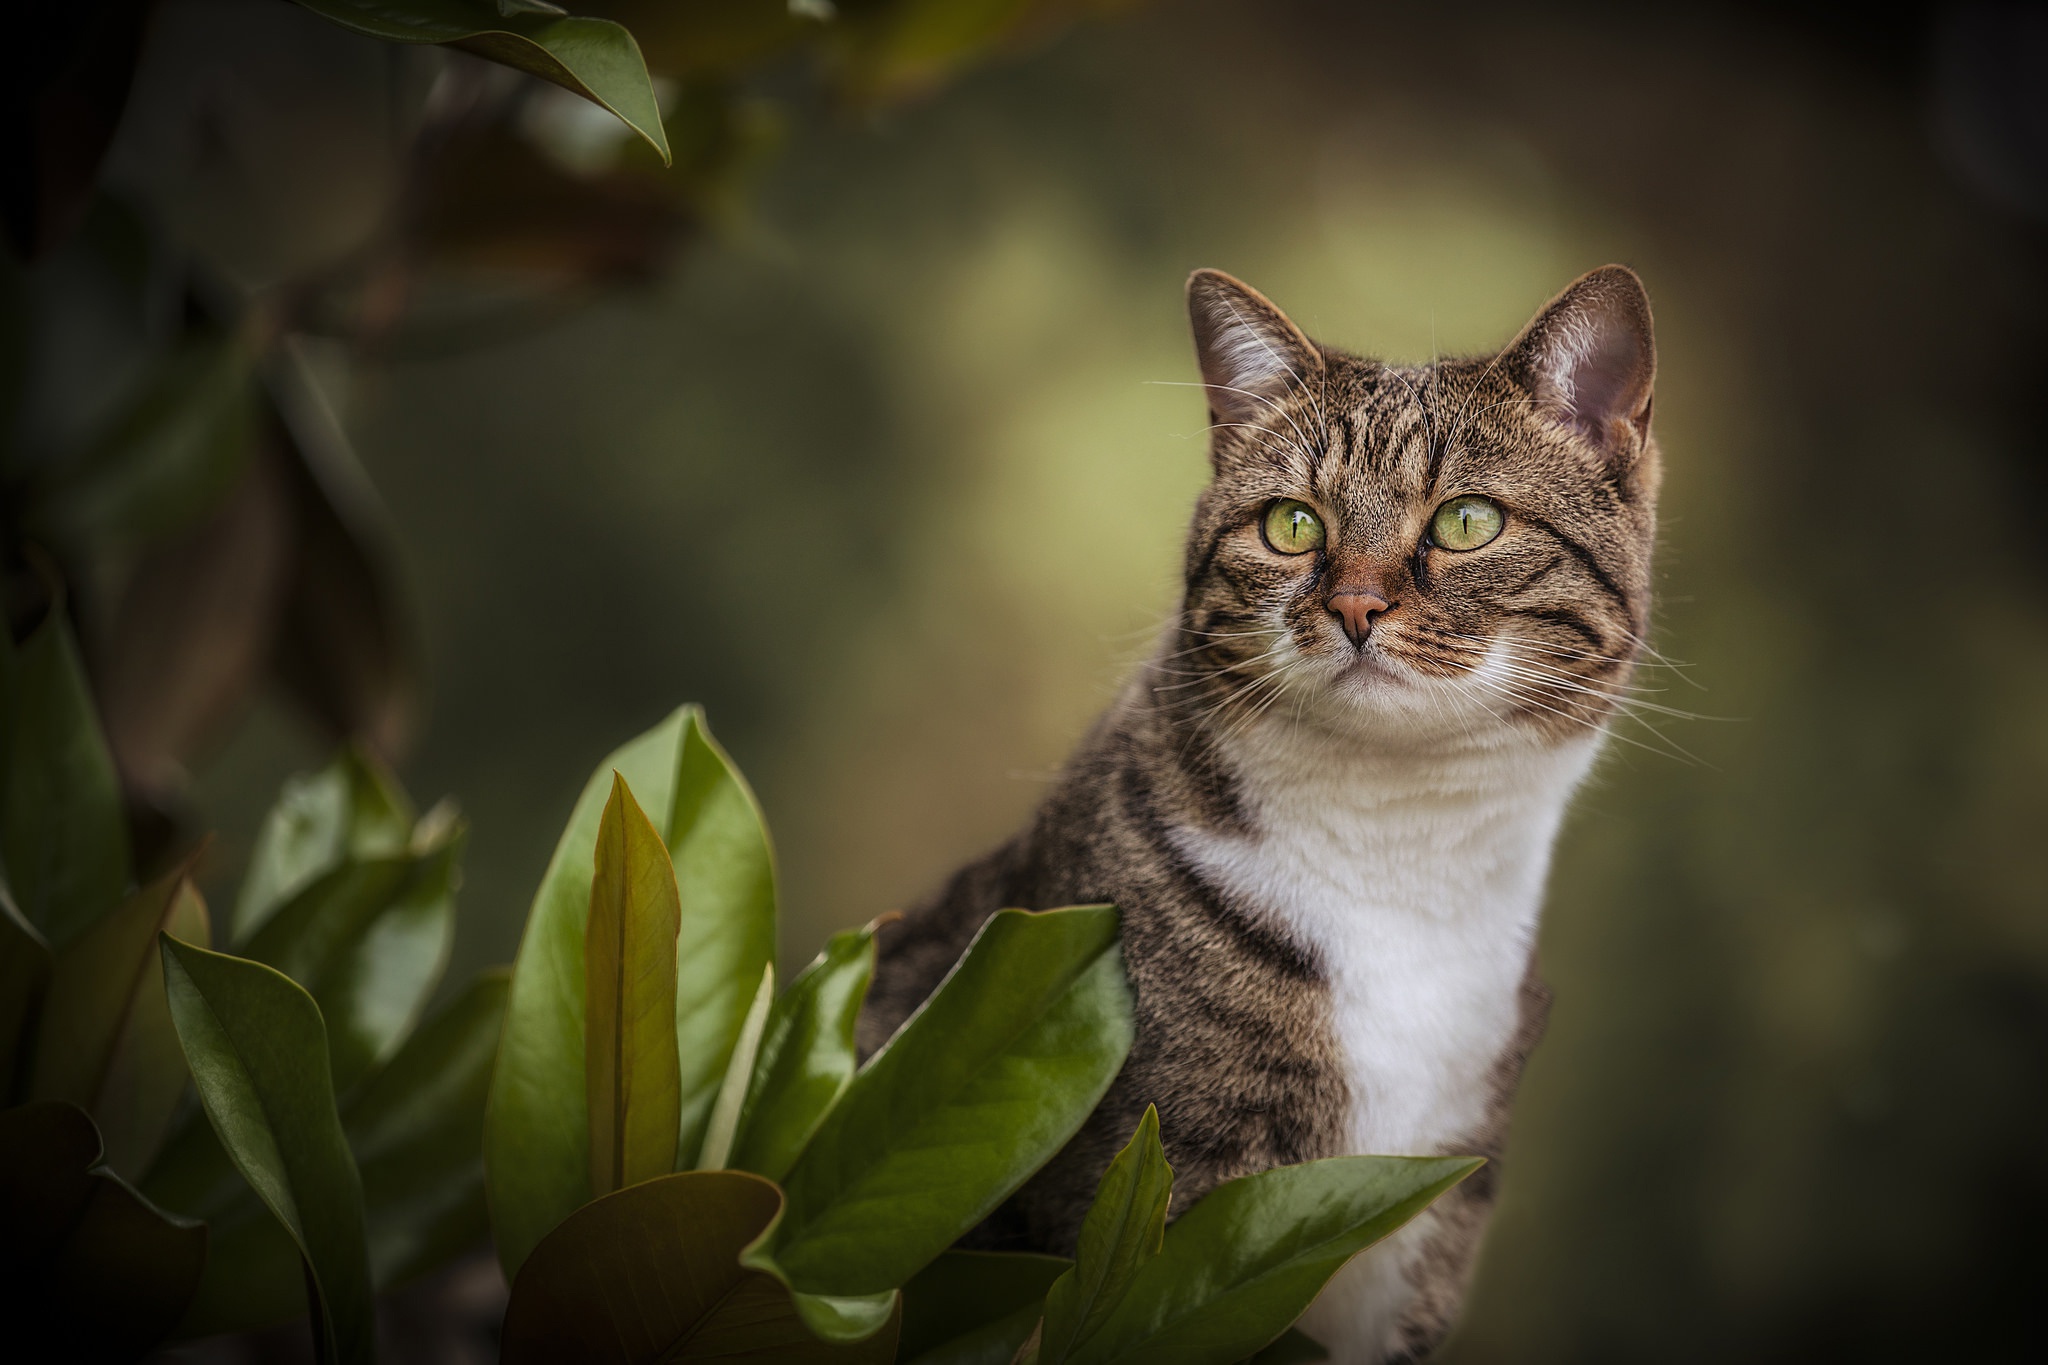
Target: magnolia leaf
(739, 1072)
(258, 1054)
(595, 58)
(973, 1306)
(350, 808)
(807, 1056)
(1122, 1231)
(25, 967)
(536, 1138)
(63, 832)
(652, 1273)
(629, 965)
(974, 1093)
(1241, 1265)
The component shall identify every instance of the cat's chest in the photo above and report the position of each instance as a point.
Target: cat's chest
(1421, 907)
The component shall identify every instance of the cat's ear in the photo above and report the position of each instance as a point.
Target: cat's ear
(1590, 360)
(1249, 352)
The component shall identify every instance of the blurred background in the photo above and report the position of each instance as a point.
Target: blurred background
(859, 427)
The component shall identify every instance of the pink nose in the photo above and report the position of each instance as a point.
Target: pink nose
(1356, 610)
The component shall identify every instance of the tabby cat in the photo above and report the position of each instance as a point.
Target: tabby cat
(1414, 600)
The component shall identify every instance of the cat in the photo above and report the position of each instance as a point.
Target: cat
(1414, 600)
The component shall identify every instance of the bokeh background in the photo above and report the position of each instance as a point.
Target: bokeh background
(883, 460)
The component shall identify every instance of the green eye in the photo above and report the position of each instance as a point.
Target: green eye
(1466, 523)
(1293, 528)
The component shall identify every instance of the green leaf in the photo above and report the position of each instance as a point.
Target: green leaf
(63, 833)
(536, 1138)
(1122, 1231)
(349, 809)
(652, 1274)
(807, 1056)
(629, 970)
(1243, 1264)
(258, 1054)
(106, 1041)
(595, 58)
(977, 1090)
(969, 1306)
(417, 1129)
(739, 1073)
(25, 967)
(89, 1270)
(1291, 1347)
(725, 871)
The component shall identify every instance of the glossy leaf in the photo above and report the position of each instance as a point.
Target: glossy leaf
(63, 832)
(416, 1129)
(258, 1054)
(1240, 1266)
(739, 1073)
(725, 872)
(1122, 1231)
(25, 967)
(977, 1091)
(973, 1306)
(807, 1056)
(652, 1273)
(350, 808)
(89, 1270)
(106, 1041)
(629, 966)
(536, 1141)
(595, 58)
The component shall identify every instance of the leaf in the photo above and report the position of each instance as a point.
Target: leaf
(725, 872)
(595, 58)
(974, 1093)
(629, 966)
(1291, 1347)
(350, 808)
(25, 966)
(739, 1072)
(536, 1136)
(106, 1041)
(1244, 1263)
(89, 1270)
(652, 1273)
(416, 1129)
(258, 1054)
(1122, 1231)
(975, 1305)
(63, 834)
(807, 1056)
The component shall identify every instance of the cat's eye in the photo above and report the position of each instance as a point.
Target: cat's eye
(1466, 523)
(1293, 528)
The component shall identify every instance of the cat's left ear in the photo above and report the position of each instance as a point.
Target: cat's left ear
(1249, 352)
(1590, 360)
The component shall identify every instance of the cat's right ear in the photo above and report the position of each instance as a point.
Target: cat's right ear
(1249, 352)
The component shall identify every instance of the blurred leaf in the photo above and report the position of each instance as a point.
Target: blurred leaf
(417, 1132)
(595, 58)
(75, 65)
(1241, 1265)
(1292, 1347)
(652, 1274)
(973, 1306)
(349, 809)
(63, 837)
(707, 35)
(537, 1142)
(106, 1041)
(258, 1054)
(172, 452)
(629, 965)
(89, 1270)
(908, 47)
(739, 1074)
(807, 1056)
(1122, 1231)
(25, 966)
(974, 1093)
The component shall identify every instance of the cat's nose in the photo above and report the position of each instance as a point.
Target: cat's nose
(1356, 610)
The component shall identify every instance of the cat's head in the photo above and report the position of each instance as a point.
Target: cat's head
(1456, 551)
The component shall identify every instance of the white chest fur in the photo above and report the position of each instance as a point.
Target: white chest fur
(1417, 878)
